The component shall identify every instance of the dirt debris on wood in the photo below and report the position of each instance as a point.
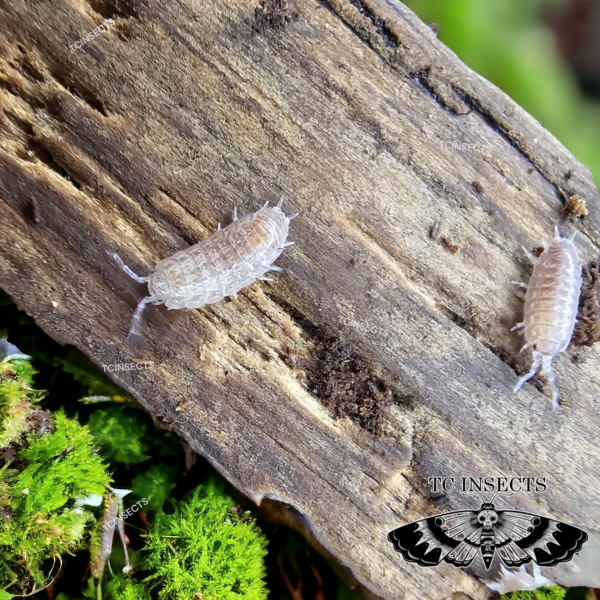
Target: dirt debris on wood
(576, 204)
(452, 248)
(587, 329)
(478, 187)
(272, 15)
(343, 382)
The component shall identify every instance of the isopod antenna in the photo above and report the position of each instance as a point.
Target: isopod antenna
(127, 270)
(134, 329)
(499, 494)
(474, 493)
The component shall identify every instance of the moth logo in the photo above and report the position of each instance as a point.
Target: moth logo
(517, 537)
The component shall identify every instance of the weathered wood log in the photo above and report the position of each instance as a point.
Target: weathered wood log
(140, 139)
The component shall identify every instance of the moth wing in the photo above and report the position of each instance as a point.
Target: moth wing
(545, 541)
(429, 541)
(511, 554)
(463, 554)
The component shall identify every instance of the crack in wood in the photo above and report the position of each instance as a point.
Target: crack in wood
(77, 90)
(117, 9)
(492, 120)
(366, 24)
(387, 35)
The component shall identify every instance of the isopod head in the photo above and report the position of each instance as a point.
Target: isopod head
(159, 287)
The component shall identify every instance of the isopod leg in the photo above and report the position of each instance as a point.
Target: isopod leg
(518, 326)
(280, 203)
(127, 269)
(549, 373)
(534, 368)
(530, 256)
(137, 315)
(520, 284)
(234, 216)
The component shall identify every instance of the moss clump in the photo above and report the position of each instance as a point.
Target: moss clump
(543, 593)
(155, 484)
(121, 435)
(125, 588)
(203, 550)
(17, 401)
(46, 462)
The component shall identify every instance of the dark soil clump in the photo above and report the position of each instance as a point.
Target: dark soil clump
(344, 383)
(272, 15)
(587, 329)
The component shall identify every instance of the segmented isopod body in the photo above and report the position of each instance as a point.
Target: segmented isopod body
(551, 305)
(220, 266)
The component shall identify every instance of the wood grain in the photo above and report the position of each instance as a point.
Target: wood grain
(147, 136)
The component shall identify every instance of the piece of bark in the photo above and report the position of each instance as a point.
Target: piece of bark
(144, 139)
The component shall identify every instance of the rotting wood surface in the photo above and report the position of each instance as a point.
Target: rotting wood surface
(147, 136)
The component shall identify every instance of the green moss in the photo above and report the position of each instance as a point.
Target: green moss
(203, 550)
(17, 399)
(46, 462)
(121, 435)
(124, 587)
(23, 371)
(62, 465)
(543, 593)
(155, 484)
(127, 435)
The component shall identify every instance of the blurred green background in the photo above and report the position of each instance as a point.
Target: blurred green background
(545, 54)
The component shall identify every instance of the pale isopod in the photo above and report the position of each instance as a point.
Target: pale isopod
(551, 305)
(220, 266)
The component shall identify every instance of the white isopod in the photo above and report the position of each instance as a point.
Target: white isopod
(220, 266)
(551, 305)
